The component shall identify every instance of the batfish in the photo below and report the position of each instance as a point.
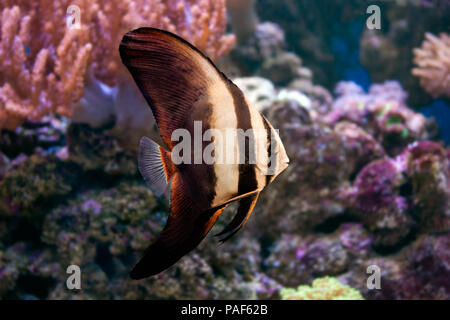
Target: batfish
(186, 91)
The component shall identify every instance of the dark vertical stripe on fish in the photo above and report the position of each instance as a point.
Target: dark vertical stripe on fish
(269, 149)
(247, 174)
(202, 176)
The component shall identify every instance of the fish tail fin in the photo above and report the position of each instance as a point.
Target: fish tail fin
(185, 228)
(155, 164)
(171, 246)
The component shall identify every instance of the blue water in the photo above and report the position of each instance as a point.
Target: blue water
(440, 110)
(345, 49)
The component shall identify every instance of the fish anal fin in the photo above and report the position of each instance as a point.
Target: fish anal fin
(246, 206)
(186, 227)
(155, 165)
(237, 198)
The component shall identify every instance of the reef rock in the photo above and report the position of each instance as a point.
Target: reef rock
(298, 260)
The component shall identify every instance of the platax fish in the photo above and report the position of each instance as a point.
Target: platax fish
(184, 88)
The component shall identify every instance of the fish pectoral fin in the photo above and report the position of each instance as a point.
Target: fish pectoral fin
(245, 209)
(155, 165)
(185, 228)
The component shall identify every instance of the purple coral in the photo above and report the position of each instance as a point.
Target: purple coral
(295, 259)
(374, 198)
(354, 237)
(395, 196)
(427, 165)
(92, 206)
(381, 111)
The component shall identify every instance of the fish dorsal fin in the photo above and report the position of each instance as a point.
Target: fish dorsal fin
(245, 209)
(155, 165)
(186, 227)
(171, 74)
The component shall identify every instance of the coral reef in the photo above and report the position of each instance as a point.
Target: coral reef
(319, 32)
(419, 271)
(396, 196)
(433, 64)
(94, 150)
(382, 112)
(84, 206)
(266, 41)
(35, 183)
(295, 259)
(39, 76)
(105, 231)
(201, 22)
(351, 198)
(45, 135)
(368, 186)
(323, 165)
(259, 91)
(427, 171)
(334, 42)
(21, 265)
(322, 289)
(263, 54)
(353, 194)
(284, 68)
(375, 200)
(389, 53)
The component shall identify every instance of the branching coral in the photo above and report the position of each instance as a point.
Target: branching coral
(46, 66)
(433, 64)
(326, 288)
(202, 22)
(39, 73)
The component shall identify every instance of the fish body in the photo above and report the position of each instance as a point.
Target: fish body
(189, 97)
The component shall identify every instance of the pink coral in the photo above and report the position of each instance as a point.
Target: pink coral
(382, 112)
(433, 64)
(39, 74)
(47, 67)
(202, 22)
